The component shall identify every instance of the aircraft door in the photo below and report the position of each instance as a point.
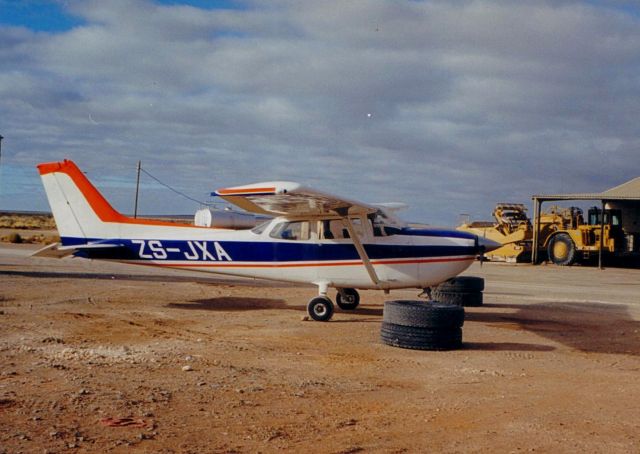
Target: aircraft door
(393, 256)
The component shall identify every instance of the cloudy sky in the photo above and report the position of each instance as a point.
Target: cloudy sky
(450, 106)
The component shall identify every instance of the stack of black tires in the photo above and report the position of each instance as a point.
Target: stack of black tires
(461, 291)
(422, 325)
(434, 325)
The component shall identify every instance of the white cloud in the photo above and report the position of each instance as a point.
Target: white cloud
(471, 102)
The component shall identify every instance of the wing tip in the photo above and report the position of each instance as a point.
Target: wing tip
(257, 189)
(243, 191)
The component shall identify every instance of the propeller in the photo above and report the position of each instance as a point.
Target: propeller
(484, 245)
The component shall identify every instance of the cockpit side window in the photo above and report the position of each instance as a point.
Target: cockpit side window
(380, 225)
(377, 224)
(334, 229)
(357, 226)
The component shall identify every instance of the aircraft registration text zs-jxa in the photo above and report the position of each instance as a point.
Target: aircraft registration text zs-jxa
(190, 250)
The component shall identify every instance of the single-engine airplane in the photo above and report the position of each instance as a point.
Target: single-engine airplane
(314, 237)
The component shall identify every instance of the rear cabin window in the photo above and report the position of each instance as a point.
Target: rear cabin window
(260, 228)
(299, 230)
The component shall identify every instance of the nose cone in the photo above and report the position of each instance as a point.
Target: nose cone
(487, 245)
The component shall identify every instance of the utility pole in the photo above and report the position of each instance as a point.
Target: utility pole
(135, 209)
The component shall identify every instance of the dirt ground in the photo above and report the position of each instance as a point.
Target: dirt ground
(550, 364)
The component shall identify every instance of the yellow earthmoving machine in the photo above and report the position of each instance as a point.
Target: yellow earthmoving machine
(567, 238)
(511, 228)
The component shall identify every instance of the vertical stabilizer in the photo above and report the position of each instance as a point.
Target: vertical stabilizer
(80, 211)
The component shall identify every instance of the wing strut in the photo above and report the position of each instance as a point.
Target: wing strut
(361, 252)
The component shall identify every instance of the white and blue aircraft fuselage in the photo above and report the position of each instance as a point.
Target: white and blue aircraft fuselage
(314, 237)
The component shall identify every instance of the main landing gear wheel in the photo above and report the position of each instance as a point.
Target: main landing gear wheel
(320, 309)
(347, 299)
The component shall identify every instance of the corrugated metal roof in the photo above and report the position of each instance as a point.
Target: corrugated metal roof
(626, 191)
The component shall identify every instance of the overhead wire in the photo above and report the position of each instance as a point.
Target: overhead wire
(171, 188)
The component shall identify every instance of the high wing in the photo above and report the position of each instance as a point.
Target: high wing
(277, 198)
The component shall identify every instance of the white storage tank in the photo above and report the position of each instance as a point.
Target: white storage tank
(226, 219)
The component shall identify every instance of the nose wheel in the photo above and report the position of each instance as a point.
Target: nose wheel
(320, 309)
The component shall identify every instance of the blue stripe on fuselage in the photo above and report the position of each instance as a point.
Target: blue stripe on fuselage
(242, 251)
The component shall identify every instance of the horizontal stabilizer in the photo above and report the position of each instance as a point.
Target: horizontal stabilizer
(56, 250)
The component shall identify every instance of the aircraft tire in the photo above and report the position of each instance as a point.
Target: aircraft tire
(320, 309)
(423, 315)
(467, 299)
(421, 338)
(352, 299)
(462, 284)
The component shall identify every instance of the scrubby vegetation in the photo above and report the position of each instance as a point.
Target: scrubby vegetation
(27, 222)
(27, 228)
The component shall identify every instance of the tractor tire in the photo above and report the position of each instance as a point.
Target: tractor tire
(420, 338)
(462, 284)
(561, 250)
(467, 299)
(423, 315)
